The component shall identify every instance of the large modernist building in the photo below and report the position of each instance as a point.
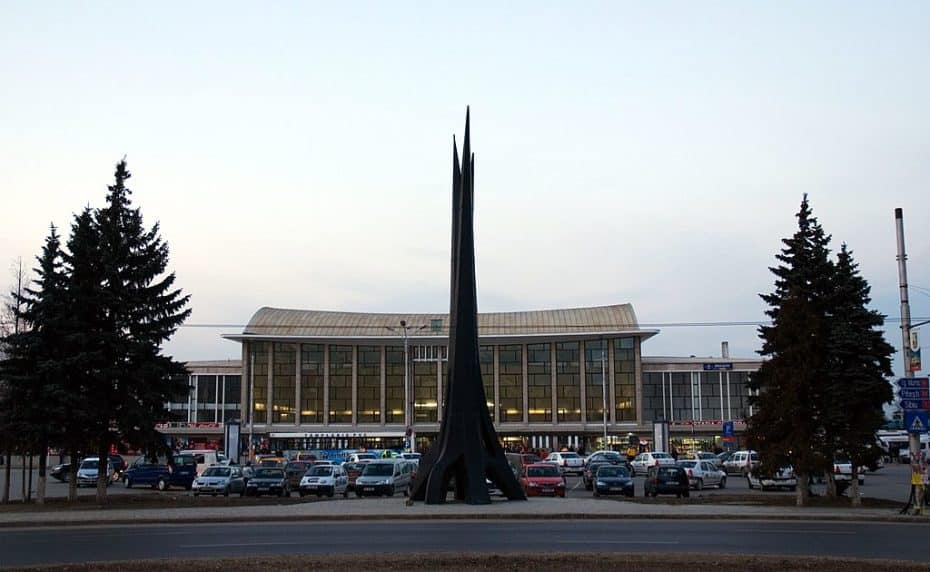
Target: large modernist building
(552, 378)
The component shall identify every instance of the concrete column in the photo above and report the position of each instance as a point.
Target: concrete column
(638, 377)
(526, 377)
(554, 389)
(297, 388)
(611, 382)
(325, 384)
(355, 384)
(244, 414)
(582, 364)
(269, 399)
(383, 383)
(497, 385)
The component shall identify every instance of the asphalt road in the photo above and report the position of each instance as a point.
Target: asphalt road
(849, 539)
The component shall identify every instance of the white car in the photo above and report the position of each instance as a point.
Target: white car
(783, 478)
(703, 474)
(87, 472)
(842, 471)
(568, 462)
(326, 480)
(643, 461)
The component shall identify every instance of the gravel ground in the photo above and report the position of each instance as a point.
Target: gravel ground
(500, 563)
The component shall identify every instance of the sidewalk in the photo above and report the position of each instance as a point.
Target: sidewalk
(396, 508)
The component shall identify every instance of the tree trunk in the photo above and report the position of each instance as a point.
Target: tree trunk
(43, 466)
(803, 489)
(854, 484)
(73, 457)
(831, 485)
(23, 481)
(29, 485)
(103, 450)
(7, 473)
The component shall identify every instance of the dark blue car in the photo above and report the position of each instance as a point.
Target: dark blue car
(613, 480)
(180, 472)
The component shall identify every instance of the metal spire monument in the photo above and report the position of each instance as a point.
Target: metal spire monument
(467, 447)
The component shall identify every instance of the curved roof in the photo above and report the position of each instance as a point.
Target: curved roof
(279, 322)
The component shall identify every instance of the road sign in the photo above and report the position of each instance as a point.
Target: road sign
(915, 421)
(914, 382)
(914, 393)
(717, 366)
(727, 428)
(914, 404)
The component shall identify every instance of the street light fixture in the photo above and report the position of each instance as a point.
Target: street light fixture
(409, 431)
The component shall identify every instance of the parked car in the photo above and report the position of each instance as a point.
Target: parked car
(519, 461)
(88, 471)
(270, 462)
(700, 456)
(295, 471)
(783, 478)
(723, 458)
(612, 457)
(567, 461)
(666, 480)
(542, 479)
(268, 481)
(204, 458)
(741, 463)
(119, 465)
(181, 472)
(385, 477)
(326, 480)
(353, 470)
(842, 471)
(644, 461)
(358, 457)
(703, 474)
(61, 472)
(220, 480)
(613, 479)
(590, 472)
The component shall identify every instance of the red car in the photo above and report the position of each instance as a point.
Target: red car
(542, 479)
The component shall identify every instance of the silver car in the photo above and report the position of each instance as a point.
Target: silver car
(385, 477)
(703, 474)
(219, 480)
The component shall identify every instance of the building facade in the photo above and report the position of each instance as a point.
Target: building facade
(556, 378)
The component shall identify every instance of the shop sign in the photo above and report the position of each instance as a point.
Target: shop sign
(914, 351)
(717, 366)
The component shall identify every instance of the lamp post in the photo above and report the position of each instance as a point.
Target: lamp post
(409, 431)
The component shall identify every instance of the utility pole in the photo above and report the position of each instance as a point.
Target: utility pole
(409, 432)
(913, 438)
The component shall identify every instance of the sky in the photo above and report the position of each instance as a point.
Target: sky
(298, 154)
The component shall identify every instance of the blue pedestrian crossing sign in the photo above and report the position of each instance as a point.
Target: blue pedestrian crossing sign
(915, 421)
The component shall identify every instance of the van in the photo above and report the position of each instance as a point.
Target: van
(203, 458)
(385, 477)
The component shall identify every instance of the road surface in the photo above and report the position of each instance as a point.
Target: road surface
(848, 539)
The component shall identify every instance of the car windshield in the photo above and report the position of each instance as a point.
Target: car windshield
(569, 455)
(612, 471)
(687, 464)
(661, 456)
(89, 464)
(321, 471)
(270, 463)
(609, 456)
(378, 470)
(529, 459)
(366, 456)
(668, 472)
(269, 474)
(184, 460)
(216, 472)
(296, 467)
(352, 466)
(542, 472)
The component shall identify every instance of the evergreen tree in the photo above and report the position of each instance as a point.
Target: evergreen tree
(860, 363)
(32, 366)
(790, 387)
(141, 309)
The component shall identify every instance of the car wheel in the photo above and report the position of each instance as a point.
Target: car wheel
(302, 494)
(345, 493)
(196, 494)
(161, 485)
(331, 492)
(700, 485)
(393, 490)
(686, 494)
(723, 483)
(127, 482)
(596, 493)
(358, 493)
(226, 491)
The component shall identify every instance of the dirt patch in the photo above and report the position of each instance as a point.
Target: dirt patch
(632, 562)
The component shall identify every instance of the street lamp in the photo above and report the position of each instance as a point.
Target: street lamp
(408, 394)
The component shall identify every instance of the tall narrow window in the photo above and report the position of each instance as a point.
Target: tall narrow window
(511, 383)
(311, 383)
(568, 382)
(369, 384)
(486, 356)
(260, 378)
(284, 384)
(624, 378)
(595, 370)
(539, 384)
(394, 385)
(340, 384)
(425, 392)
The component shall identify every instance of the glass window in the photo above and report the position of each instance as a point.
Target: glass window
(568, 381)
(511, 383)
(593, 378)
(539, 382)
(652, 397)
(425, 392)
(206, 390)
(311, 383)
(394, 385)
(284, 384)
(681, 395)
(369, 384)
(624, 379)
(233, 390)
(340, 384)
(486, 356)
(260, 403)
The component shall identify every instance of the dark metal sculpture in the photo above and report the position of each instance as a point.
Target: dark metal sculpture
(467, 448)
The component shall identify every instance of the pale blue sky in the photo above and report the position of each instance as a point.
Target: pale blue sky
(298, 155)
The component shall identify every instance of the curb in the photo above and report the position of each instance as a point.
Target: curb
(903, 519)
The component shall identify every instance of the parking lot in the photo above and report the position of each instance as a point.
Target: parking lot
(890, 483)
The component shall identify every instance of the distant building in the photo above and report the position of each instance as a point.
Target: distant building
(336, 380)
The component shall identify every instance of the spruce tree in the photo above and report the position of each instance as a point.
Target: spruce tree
(860, 365)
(141, 310)
(790, 385)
